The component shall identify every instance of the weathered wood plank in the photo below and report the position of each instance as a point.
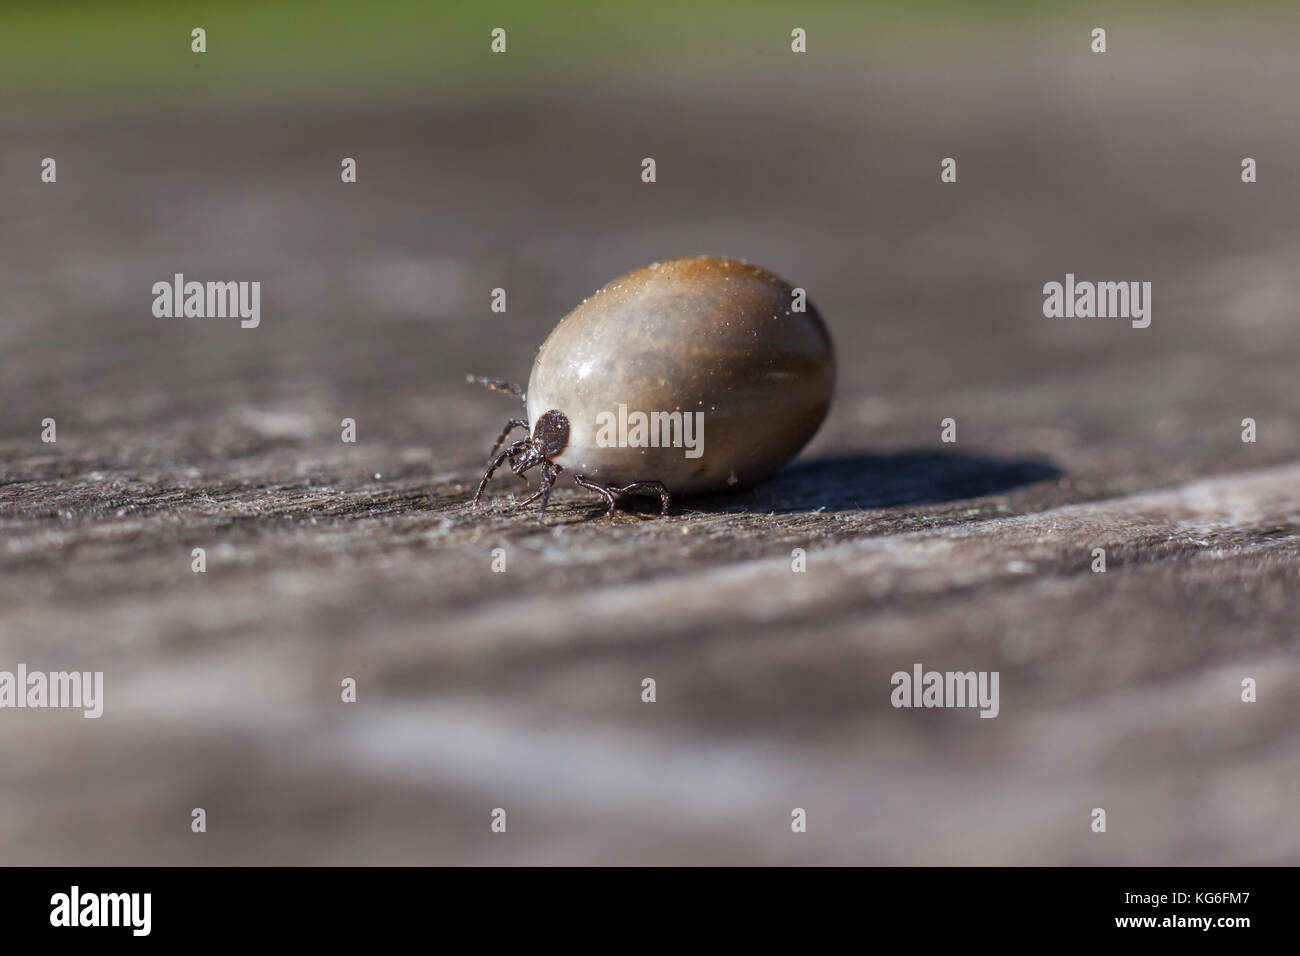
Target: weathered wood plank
(522, 689)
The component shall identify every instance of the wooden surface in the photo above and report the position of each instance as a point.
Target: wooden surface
(522, 689)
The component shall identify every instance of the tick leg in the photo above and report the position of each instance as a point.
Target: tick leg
(496, 463)
(549, 473)
(609, 491)
(499, 386)
(511, 426)
(544, 490)
(599, 489)
(657, 485)
(516, 423)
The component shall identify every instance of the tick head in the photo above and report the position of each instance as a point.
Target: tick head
(551, 434)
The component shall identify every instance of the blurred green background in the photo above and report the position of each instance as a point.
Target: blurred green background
(136, 55)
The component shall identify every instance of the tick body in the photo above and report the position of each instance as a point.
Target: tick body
(693, 375)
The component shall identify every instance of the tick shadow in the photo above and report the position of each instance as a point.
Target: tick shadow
(859, 482)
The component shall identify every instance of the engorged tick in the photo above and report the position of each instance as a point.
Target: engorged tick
(615, 388)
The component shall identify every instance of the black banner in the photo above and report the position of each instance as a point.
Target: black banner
(331, 906)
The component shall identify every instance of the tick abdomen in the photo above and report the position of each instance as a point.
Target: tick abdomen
(697, 372)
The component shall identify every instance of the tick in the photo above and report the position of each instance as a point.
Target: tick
(694, 375)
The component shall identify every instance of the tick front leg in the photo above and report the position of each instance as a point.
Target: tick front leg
(549, 473)
(510, 426)
(496, 463)
(499, 386)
